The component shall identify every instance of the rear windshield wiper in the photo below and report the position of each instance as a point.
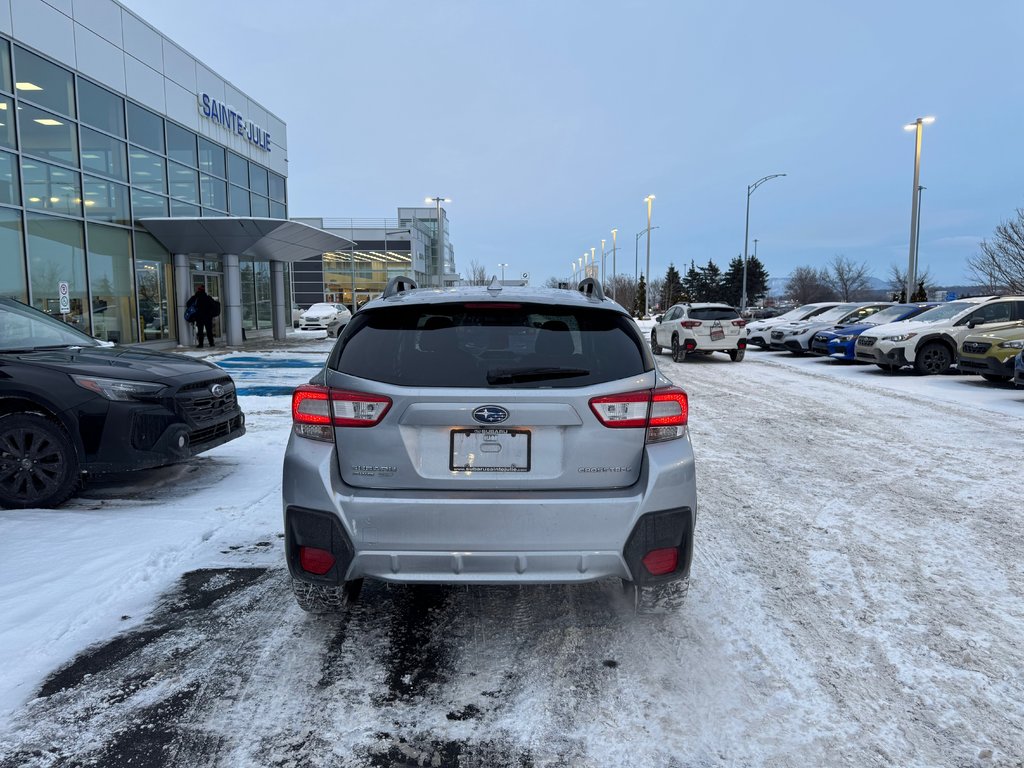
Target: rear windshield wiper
(513, 375)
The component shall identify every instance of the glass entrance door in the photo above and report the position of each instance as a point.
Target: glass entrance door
(213, 282)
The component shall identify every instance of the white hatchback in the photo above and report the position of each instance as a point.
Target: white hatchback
(700, 328)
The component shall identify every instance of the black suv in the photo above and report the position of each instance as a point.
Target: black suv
(72, 406)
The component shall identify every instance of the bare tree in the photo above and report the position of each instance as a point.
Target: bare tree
(623, 288)
(846, 279)
(477, 273)
(999, 265)
(557, 282)
(898, 279)
(807, 284)
(654, 289)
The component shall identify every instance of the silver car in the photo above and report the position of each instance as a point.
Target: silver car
(489, 435)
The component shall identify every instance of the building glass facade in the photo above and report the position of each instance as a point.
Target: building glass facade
(79, 166)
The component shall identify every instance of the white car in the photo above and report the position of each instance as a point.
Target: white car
(929, 341)
(704, 328)
(759, 331)
(325, 317)
(796, 336)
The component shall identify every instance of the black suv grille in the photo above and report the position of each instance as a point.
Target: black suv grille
(976, 347)
(202, 406)
(866, 341)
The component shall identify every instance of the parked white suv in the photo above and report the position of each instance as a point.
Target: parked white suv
(929, 341)
(704, 328)
(759, 331)
(796, 337)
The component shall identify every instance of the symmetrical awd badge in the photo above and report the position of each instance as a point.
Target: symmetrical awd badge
(490, 414)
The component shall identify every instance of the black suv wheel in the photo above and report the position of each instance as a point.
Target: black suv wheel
(933, 358)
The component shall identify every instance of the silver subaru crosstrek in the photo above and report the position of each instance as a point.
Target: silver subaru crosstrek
(489, 435)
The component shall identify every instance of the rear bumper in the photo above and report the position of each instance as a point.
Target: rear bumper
(484, 537)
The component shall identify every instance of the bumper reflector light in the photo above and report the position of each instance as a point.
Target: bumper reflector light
(313, 560)
(661, 561)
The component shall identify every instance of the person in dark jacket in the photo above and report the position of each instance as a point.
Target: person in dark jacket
(206, 308)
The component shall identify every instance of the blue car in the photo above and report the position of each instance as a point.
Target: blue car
(839, 342)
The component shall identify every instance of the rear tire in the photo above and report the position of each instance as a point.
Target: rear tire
(736, 355)
(932, 359)
(657, 599)
(321, 598)
(678, 352)
(655, 346)
(996, 378)
(38, 463)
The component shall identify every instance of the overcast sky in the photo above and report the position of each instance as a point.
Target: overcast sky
(548, 122)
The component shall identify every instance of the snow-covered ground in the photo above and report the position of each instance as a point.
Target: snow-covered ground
(856, 601)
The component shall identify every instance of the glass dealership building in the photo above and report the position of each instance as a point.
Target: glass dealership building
(130, 172)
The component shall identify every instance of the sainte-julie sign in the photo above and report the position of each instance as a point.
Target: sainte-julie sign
(234, 121)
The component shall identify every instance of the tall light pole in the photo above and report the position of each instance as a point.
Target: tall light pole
(647, 310)
(503, 271)
(746, 233)
(614, 272)
(593, 268)
(917, 127)
(602, 261)
(440, 234)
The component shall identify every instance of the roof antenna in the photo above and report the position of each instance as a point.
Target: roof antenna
(495, 286)
(399, 284)
(590, 288)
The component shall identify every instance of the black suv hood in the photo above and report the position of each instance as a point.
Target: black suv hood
(117, 363)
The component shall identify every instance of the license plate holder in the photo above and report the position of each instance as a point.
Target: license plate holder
(489, 450)
(717, 332)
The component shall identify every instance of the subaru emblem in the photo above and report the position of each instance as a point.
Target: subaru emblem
(217, 390)
(490, 414)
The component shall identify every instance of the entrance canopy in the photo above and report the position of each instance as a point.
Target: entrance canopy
(273, 239)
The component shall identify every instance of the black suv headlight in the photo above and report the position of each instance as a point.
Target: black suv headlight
(119, 389)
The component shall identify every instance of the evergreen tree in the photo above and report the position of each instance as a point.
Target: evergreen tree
(732, 282)
(711, 282)
(638, 302)
(691, 283)
(671, 289)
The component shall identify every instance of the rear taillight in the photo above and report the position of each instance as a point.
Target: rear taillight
(663, 412)
(690, 323)
(357, 409)
(317, 410)
(739, 323)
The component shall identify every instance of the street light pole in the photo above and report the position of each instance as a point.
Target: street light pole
(602, 261)
(647, 309)
(503, 272)
(917, 127)
(440, 235)
(593, 262)
(746, 233)
(614, 272)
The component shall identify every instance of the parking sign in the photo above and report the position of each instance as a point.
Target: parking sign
(65, 298)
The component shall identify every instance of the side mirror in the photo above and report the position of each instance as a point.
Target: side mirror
(975, 321)
(658, 318)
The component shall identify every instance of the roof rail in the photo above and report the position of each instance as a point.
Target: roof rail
(590, 288)
(398, 284)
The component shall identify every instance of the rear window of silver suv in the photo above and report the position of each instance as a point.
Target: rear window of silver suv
(491, 344)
